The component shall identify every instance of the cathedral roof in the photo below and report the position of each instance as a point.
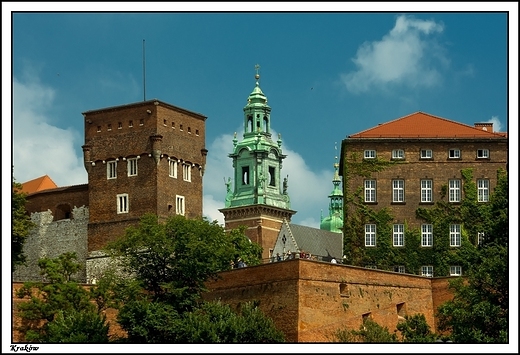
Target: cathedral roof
(424, 125)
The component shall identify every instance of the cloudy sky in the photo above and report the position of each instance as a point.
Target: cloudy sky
(326, 76)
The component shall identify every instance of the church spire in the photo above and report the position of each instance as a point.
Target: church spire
(257, 159)
(334, 222)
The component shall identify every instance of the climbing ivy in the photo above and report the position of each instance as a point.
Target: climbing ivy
(470, 214)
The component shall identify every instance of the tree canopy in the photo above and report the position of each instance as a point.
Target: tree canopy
(21, 225)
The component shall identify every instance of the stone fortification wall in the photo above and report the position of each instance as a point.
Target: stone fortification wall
(52, 238)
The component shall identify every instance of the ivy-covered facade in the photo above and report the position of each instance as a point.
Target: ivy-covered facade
(416, 193)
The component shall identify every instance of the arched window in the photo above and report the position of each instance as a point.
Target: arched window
(63, 211)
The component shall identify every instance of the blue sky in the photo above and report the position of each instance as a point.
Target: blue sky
(326, 76)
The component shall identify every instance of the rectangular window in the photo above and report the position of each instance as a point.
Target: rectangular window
(454, 154)
(196, 132)
(130, 123)
(397, 190)
(272, 176)
(426, 235)
(179, 205)
(370, 235)
(112, 169)
(370, 154)
(132, 167)
(109, 127)
(119, 125)
(370, 191)
(141, 122)
(122, 203)
(454, 190)
(397, 154)
(454, 235)
(455, 270)
(399, 268)
(427, 271)
(186, 172)
(483, 190)
(426, 191)
(99, 128)
(482, 153)
(398, 235)
(172, 168)
(426, 154)
(480, 238)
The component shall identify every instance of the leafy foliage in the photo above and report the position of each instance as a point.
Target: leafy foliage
(60, 310)
(169, 263)
(21, 225)
(480, 309)
(415, 329)
(369, 332)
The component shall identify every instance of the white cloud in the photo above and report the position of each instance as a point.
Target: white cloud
(403, 57)
(307, 189)
(40, 148)
(497, 126)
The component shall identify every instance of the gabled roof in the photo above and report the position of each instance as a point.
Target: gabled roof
(424, 125)
(39, 184)
(310, 240)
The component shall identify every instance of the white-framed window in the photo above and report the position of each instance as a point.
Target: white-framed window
(122, 203)
(454, 190)
(398, 235)
(132, 167)
(370, 235)
(112, 169)
(172, 168)
(454, 235)
(480, 238)
(186, 172)
(455, 270)
(400, 269)
(179, 205)
(426, 154)
(370, 154)
(454, 154)
(482, 153)
(426, 190)
(397, 190)
(426, 235)
(427, 270)
(483, 190)
(370, 191)
(397, 154)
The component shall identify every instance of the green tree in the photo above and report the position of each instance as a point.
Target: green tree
(169, 263)
(479, 310)
(21, 225)
(59, 309)
(415, 329)
(369, 332)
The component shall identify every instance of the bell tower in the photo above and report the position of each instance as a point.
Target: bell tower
(258, 198)
(334, 221)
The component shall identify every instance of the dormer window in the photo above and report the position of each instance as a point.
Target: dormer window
(370, 154)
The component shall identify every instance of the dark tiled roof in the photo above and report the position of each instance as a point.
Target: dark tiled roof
(317, 241)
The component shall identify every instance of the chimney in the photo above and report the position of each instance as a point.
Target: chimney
(485, 126)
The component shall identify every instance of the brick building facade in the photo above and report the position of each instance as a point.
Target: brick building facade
(413, 162)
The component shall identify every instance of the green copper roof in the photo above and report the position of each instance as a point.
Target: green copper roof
(257, 159)
(334, 221)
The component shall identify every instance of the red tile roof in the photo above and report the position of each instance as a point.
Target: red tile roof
(38, 184)
(424, 125)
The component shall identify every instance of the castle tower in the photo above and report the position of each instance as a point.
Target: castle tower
(142, 157)
(334, 221)
(258, 198)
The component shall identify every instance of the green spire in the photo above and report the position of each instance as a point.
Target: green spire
(334, 222)
(257, 159)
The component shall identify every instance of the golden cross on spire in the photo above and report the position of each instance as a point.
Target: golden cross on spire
(257, 67)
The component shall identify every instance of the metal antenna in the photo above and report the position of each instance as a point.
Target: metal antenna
(144, 76)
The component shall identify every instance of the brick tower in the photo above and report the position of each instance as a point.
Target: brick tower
(259, 199)
(142, 157)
